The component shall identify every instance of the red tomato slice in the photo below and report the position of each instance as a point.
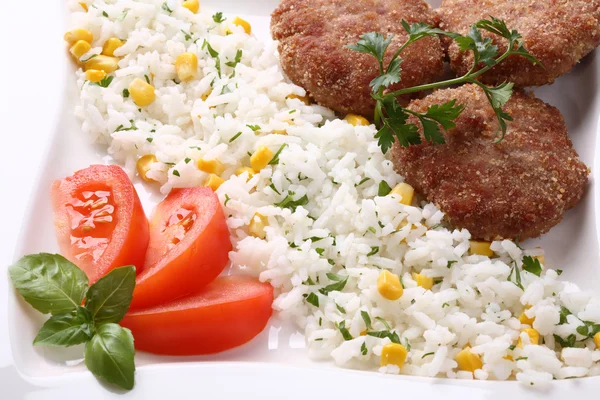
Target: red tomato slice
(100, 223)
(225, 314)
(189, 247)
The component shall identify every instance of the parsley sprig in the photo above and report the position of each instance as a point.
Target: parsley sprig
(392, 119)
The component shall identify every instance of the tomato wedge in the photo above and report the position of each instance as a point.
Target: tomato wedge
(99, 220)
(189, 247)
(225, 314)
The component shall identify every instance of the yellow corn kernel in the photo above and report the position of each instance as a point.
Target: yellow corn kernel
(534, 337)
(205, 95)
(364, 333)
(141, 92)
(244, 24)
(186, 66)
(406, 192)
(393, 353)
(78, 34)
(241, 170)
(80, 48)
(143, 166)
(84, 6)
(261, 158)
(481, 248)
(597, 340)
(468, 361)
(524, 319)
(509, 357)
(104, 63)
(214, 182)
(541, 259)
(304, 99)
(211, 166)
(192, 5)
(280, 132)
(356, 120)
(389, 286)
(257, 226)
(109, 47)
(424, 281)
(94, 75)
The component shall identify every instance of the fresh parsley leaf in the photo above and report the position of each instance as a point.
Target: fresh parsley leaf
(420, 30)
(165, 7)
(125, 93)
(334, 287)
(363, 349)
(559, 272)
(374, 250)
(104, 82)
(344, 331)
(218, 17)
(214, 54)
(393, 336)
(237, 60)
(313, 299)
(104, 14)
(272, 186)
(532, 265)
(365, 316)
(108, 299)
(384, 189)
(110, 355)
(335, 277)
(320, 251)
(361, 182)
(149, 139)
(340, 308)
(568, 342)
(187, 36)
(564, 313)
(372, 43)
(290, 203)
(254, 127)
(176, 173)
(49, 282)
(384, 322)
(67, 329)
(512, 347)
(445, 114)
(390, 77)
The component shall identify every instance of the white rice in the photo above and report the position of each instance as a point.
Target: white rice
(344, 228)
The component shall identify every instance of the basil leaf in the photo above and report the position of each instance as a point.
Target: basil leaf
(49, 282)
(66, 329)
(108, 299)
(109, 355)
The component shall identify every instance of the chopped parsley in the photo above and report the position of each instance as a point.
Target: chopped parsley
(131, 128)
(334, 287)
(104, 82)
(449, 265)
(237, 59)
(187, 160)
(559, 272)
(214, 54)
(289, 202)
(427, 355)
(384, 189)
(89, 58)
(313, 299)
(365, 316)
(146, 78)
(275, 159)
(176, 173)
(272, 186)
(105, 14)
(340, 308)
(374, 250)
(343, 330)
(187, 36)
(125, 93)
(165, 7)
(320, 251)
(218, 17)
(253, 127)
(227, 198)
(361, 182)
(237, 135)
(511, 348)
(363, 349)
(393, 336)
(532, 265)
(149, 139)
(445, 305)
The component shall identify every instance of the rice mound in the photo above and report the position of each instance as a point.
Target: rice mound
(327, 225)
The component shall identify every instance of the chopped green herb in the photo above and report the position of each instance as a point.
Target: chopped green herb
(342, 328)
(236, 61)
(413, 301)
(165, 7)
(393, 336)
(334, 287)
(445, 305)
(313, 299)
(365, 316)
(147, 78)
(363, 349)
(227, 198)
(131, 128)
(89, 58)
(440, 225)
(318, 339)
(559, 272)
(340, 308)
(149, 139)
(187, 160)
(320, 251)
(511, 348)
(125, 93)
(320, 321)
(532, 265)
(521, 358)
(361, 182)
(372, 230)
(384, 189)
(275, 159)
(292, 111)
(309, 282)
(449, 265)
(272, 186)
(104, 82)
(237, 135)
(289, 202)
(253, 127)
(214, 54)
(569, 342)
(187, 36)
(374, 250)
(384, 322)
(436, 281)
(427, 354)
(105, 14)
(218, 17)
(176, 173)
(564, 313)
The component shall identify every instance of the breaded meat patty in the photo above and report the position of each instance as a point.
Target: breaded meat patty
(313, 35)
(559, 33)
(518, 188)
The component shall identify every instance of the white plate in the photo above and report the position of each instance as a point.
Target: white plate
(274, 365)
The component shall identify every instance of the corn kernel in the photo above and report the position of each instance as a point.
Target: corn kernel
(248, 170)
(468, 361)
(524, 319)
(244, 24)
(78, 34)
(104, 63)
(109, 47)
(261, 158)
(389, 286)
(143, 166)
(141, 92)
(257, 226)
(406, 192)
(280, 132)
(213, 166)
(541, 259)
(304, 99)
(424, 281)
(192, 5)
(214, 182)
(364, 333)
(205, 95)
(534, 337)
(80, 48)
(509, 357)
(481, 248)
(94, 75)
(84, 6)
(597, 340)
(393, 353)
(186, 66)
(356, 120)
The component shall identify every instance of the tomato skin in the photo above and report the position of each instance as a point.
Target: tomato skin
(225, 314)
(129, 238)
(176, 270)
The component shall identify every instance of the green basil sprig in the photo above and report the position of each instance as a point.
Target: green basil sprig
(54, 285)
